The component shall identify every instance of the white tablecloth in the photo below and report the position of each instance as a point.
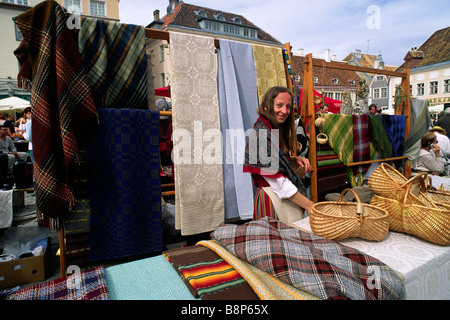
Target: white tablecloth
(424, 266)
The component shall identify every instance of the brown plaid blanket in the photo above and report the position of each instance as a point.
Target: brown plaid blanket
(61, 103)
(311, 263)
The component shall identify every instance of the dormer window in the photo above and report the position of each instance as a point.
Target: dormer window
(201, 13)
(220, 17)
(237, 20)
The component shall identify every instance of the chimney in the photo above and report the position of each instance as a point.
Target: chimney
(301, 52)
(333, 57)
(413, 57)
(156, 15)
(327, 55)
(358, 54)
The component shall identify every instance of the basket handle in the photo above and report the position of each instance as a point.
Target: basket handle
(416, 183)
(428, 183)
(359, 206)
(409, 184)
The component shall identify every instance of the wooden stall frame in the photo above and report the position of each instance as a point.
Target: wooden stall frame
(158, 35)
(307, 110)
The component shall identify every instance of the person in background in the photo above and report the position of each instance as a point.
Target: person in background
(372, 109)
(443, 141)
(428, 160)
(2, 119)
(444, 121)
(20, 123)
(7, 146)
(276, 112)
(326, 108)
(27, 134)
(10, 123)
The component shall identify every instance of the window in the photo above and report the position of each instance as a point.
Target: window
(18, 33)
(338, 96)
(161, 53)
(73, 5)
(216, 26)
(163, 80)
(384, 92)
(21, 2)
(433, 87)
(376, 93)
(420, 89)
(316, 80)
(447, 86)
(246, 32)
(380, 78)
(97, 8)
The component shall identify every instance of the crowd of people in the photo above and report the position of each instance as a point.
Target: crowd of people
(11, 130)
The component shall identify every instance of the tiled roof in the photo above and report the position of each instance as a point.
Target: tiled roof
(325, 75)
(184, 15)
(436, 49)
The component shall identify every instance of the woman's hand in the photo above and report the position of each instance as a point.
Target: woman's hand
(304, 163)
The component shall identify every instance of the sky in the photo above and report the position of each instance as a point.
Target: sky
(389, 28)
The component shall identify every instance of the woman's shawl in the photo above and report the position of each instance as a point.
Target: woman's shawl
(261, 161)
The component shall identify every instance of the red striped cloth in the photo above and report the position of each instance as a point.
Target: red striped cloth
(207, 275)
(263, 205)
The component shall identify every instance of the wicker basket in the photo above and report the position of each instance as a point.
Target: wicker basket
(438, 195)
(409, 216)
(339, 220)
(386, 180)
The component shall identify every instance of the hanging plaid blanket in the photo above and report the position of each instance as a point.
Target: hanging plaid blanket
(395, 127)
(311, 263)
(61, 103)
(361, 145)
(339, 129)
(379, 136)
(86, 285)
(114, 56)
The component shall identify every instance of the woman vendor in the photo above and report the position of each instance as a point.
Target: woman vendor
(281, 193)
(430, 161)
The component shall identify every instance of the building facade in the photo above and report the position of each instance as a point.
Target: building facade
(430, 70)
(377, 84)
(187, 18)
(10, 36)
(333, 83)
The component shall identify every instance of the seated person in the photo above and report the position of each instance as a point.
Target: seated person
(277, 177)
(7, 146)
(429, 158)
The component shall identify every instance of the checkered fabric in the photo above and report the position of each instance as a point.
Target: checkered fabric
(61, 103)
(311, 263)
